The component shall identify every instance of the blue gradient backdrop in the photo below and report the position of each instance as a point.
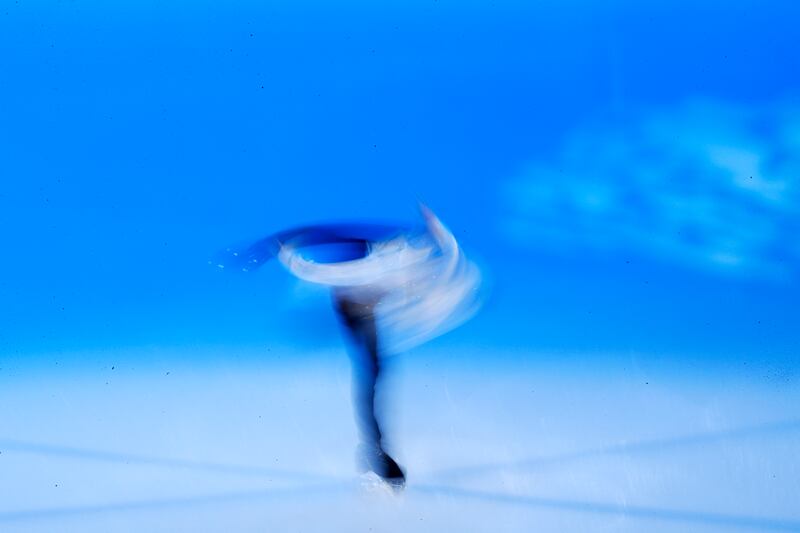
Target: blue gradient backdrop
(136, 139)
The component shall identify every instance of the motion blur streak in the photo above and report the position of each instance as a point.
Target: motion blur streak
(422, 283)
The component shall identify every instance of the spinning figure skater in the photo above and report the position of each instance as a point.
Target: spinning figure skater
(393, 288)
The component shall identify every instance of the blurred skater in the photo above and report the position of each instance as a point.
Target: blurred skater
(392, 287)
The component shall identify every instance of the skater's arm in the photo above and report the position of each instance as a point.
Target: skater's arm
(354, 239)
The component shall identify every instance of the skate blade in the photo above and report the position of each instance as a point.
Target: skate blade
(372, 483)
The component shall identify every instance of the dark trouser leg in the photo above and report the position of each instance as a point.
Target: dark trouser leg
(359, 321)
(360, 324)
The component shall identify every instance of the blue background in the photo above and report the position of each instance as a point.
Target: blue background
(139, 138)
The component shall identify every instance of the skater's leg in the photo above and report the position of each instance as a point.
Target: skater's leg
(359, 320)
(366, 368)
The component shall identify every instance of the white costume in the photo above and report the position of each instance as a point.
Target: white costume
(419, 285)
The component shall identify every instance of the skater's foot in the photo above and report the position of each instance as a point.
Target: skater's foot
(378, 461)
(391, 472)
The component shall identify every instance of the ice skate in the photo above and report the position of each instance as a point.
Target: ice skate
(382, 466)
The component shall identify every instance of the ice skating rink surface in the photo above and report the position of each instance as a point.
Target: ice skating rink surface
(256, 439)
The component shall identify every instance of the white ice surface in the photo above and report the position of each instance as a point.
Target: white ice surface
(193, 440)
